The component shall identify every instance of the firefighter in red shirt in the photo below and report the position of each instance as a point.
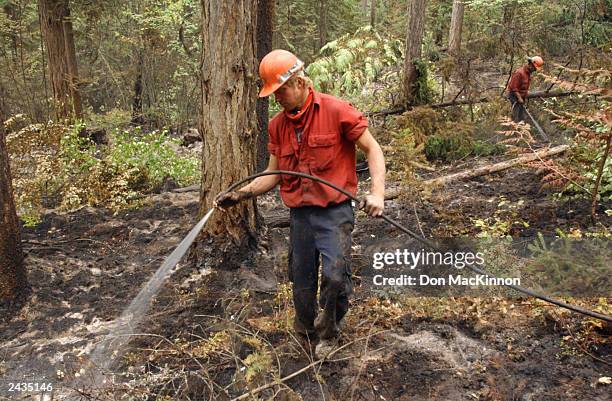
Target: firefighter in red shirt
(315, 134)
(518, 87)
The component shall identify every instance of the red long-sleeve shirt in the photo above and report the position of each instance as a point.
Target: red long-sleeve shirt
(519, 83)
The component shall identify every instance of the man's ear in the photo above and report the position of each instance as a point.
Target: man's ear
(302, 82)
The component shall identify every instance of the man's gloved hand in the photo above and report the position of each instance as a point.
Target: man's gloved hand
(373, 205)
(228, 199)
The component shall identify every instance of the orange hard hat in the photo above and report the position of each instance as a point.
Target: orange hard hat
(536, 61)
(276, 68)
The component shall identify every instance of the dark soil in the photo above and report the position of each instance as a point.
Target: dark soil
(86, 266)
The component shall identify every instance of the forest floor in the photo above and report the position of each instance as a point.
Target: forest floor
(215, 332)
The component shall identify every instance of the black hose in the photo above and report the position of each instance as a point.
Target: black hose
(424, 241)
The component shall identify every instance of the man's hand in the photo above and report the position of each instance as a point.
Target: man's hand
(373, 204)
(520, 99)
(229, 199)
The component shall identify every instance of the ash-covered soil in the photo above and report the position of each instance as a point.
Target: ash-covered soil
(218, 333)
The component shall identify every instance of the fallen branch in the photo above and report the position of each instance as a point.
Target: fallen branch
(532, 95)
(493, 168)
(192, 188)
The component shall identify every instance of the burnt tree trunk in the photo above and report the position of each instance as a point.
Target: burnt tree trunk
(265, 27)
(414, 37)
(227, 123)
(56, 28)
(454, 35)
(13, 283)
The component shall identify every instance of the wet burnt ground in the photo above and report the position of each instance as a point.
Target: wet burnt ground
(86, 266)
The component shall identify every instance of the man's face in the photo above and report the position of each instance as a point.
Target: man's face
(290, 95)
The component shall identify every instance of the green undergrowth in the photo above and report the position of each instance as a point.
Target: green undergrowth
(453, 147)
(57, 166)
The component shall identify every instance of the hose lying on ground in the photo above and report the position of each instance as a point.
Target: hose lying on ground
(424, 241)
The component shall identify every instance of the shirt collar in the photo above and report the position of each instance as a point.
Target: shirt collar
(316, 97)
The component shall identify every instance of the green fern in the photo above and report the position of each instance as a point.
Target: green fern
(346, 65)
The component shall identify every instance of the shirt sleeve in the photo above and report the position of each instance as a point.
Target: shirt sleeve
(273, 143)
(352, 122)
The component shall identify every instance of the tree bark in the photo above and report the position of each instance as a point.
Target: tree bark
(13, 283)
(56, 28)
(265, 28)
(229, 93)
(454, 35)
(414, 37)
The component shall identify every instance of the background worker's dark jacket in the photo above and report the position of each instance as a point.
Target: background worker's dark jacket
(519, 83)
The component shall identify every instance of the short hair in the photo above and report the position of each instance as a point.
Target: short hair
(299, 74)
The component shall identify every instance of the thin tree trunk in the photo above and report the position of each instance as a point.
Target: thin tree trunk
(600, 170)
(372, 13)
(265, 28)
(13, 283)
(56, 28)
(137, 116)
(73, 71)
(11, 13)
(414, 38)
(454, 35)
(323, 7)
(364, 9)
(227, 123)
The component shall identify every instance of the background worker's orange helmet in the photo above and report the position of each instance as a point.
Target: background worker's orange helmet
(276, 68)
(536, 61)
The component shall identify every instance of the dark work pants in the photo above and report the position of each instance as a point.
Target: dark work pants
(518, 110)
(325, 233)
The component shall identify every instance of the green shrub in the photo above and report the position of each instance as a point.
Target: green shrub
(54, 166)
(454, 147)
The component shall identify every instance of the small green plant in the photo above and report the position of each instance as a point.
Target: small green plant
(503, 220)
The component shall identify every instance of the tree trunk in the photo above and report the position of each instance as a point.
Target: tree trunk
(227, 123)
(414, 37)
(56, 28)
(372, 13)
(13, 283)
(364, 9)
(323, 8)
(454, 35)
(11, 13)
(137, 116)
(600, 170)
(265, 27)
